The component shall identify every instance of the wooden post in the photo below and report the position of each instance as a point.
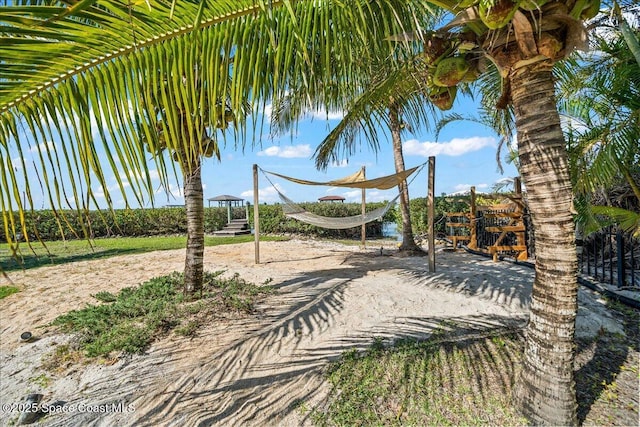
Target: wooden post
(256, 214)
(431, 213)
(363, 230)
(520, 235)
(517, 185)
(228, 212)
(473, 243)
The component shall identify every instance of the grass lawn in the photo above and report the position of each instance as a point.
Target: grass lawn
(60, 252)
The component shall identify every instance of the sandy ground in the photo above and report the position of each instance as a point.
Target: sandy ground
(256, 370)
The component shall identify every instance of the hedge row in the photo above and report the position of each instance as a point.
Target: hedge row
(45, 225)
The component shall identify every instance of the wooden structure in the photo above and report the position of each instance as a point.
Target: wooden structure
(235, 226)
(332, 199)
(494, 229)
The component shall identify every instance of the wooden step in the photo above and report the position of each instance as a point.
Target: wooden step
(236, 226)
(493, 249)
(228, 233)
(503, 215)
(505, 228)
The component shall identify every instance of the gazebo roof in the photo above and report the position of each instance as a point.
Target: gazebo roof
(330, 198)
(225, 198)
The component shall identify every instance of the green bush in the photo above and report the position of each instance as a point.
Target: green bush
(48, 226)
(443, 205)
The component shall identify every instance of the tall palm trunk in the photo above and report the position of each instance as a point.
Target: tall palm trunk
(545, 390)
(194, 203)
(408, 242)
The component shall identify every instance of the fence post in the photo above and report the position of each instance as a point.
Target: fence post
(620, 258)
(473, 243)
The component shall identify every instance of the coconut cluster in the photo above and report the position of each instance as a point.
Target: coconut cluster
(450, 61)
(453, 58)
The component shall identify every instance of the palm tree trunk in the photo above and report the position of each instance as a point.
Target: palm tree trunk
(408, 242)
(545, 390)
(194, 203)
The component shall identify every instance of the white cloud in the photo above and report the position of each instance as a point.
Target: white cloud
(455, 147)
(464, 188)
(339, 164)
(42, 147)
(377, 196)
(265, 195)
(353, 195)
(330, 115)
(268, 110)
(288, 152)
(174, 191)
(315, 114)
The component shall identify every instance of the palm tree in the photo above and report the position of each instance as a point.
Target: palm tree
(391, 91)
(153, 77)
(523, 40)
(189, 158)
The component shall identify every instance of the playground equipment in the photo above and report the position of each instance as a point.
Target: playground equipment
(494, 229)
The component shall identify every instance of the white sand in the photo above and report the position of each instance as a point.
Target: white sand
(255, 371)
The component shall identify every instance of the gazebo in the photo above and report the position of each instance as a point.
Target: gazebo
(226, 200)
(332, 199)
(230, 202)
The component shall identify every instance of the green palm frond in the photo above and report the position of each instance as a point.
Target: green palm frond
(627, 220)
(96, 88)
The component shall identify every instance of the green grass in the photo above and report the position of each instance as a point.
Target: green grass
(5, 291)
(130, 321)
(423, 383)
(60, 252)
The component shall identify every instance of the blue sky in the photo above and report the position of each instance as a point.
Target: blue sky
(465, 156)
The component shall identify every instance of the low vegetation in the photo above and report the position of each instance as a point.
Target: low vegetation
(5, 291)
(443, 381)
(130, 321)
(424, 383)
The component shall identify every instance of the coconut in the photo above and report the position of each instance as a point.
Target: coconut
(434, 48)
(499, 14)
(209, 149)
(450, 71)
(443, 97)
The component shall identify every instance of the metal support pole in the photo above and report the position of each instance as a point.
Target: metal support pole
(256, 214)
(431, 212)
(363, 230)
(620, 257)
